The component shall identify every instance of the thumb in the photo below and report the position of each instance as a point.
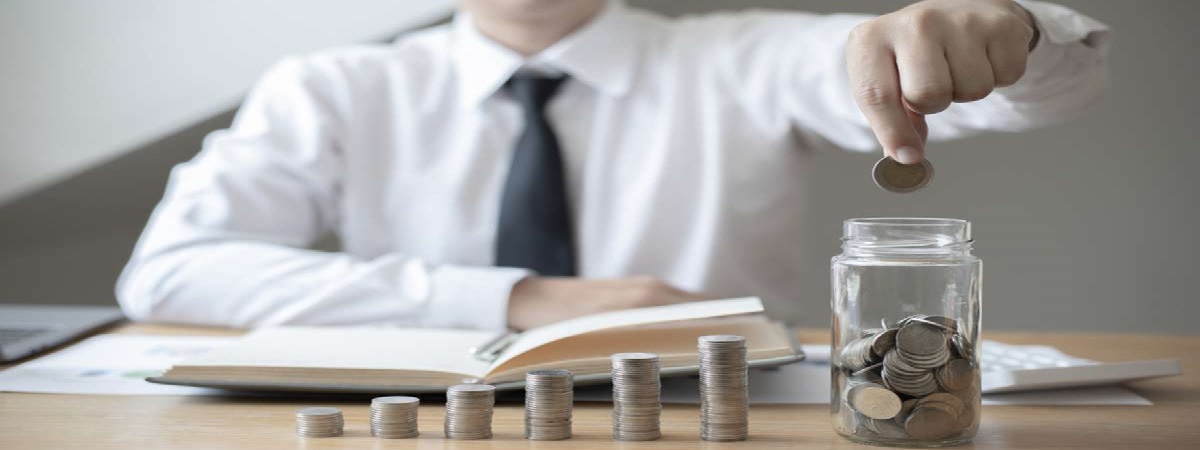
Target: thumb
(911, 154)
(919, 124)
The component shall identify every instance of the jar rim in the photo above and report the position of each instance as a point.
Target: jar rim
(881, 236)
(905, 221)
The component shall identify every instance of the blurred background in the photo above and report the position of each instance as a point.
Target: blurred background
(1086, 226)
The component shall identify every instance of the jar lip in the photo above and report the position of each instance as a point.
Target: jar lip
(906, 235)
(905, 221)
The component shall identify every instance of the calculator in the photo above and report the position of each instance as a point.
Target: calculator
(1012, 368)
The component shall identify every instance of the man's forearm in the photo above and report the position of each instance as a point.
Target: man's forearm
(248, 284)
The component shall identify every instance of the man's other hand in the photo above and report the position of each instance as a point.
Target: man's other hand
(918, 60)
(537, 301)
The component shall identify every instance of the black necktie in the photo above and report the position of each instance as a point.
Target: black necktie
(535, 225)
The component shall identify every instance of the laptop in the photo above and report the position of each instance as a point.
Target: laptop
(28, 329)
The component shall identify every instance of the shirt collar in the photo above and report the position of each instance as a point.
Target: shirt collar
(601, 54)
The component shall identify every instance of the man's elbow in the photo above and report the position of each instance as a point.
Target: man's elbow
(142, 290)
(134, 296)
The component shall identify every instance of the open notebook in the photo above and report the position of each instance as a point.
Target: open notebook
(397, 360)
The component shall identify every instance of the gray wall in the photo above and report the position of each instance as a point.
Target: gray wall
(1087, 226)
(116, 74)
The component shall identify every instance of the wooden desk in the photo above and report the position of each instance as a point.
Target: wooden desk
(42, 421)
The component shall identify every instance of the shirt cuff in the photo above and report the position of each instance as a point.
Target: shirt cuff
(1063, 34)
(471, 297)
(1061, 25)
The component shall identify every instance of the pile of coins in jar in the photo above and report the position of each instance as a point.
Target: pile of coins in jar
(915, 380)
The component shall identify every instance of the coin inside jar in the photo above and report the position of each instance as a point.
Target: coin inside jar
(892, 176)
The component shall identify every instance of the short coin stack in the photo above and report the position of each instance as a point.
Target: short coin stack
(724, 404)
(637, 405)
(469, 411)
(549, 399)
(914, 380)
(319, 422)
(394, 417)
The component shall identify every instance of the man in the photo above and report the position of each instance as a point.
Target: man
(536, 160)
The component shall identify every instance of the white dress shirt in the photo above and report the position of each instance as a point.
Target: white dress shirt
(681, 141)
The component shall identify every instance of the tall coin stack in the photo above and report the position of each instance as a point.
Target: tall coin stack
(394, 417)
(469, 411)
(724, 404)
(637, 391)
(319, 422)
(549, 398)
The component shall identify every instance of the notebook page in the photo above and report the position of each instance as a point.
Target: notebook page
(640, 316)
(437, 350)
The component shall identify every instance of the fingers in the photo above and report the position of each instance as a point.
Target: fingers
(970, 70)
(689, 296)
(668, 294)
(1008, 62)
(876, 83)
(924, 76)
(536, 301)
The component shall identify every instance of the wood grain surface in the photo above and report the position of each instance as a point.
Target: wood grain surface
(48, 421)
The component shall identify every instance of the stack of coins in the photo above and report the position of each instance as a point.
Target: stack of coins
(724, 404)
(637, 393)
(914, 380)
(394, 417)
(469, 411)
(549, 398)
(319, 422)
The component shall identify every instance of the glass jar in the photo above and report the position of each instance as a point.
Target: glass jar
(906, 306)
